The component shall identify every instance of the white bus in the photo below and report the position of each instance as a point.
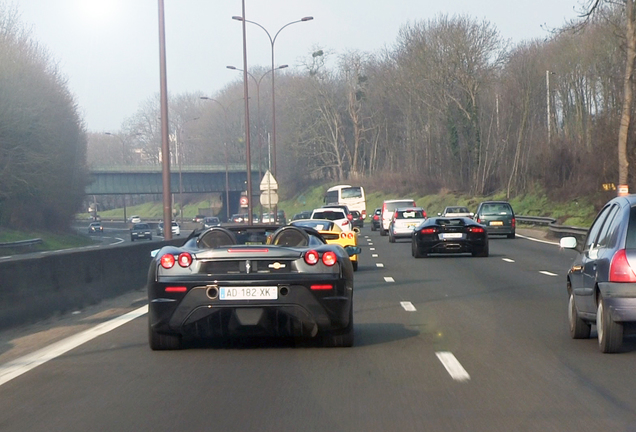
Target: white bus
(351, 196)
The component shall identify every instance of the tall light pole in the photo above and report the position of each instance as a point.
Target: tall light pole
(547, 97)
(165, 138)
(227, 182)
(258, 108)
(272, 41)
(179, 156)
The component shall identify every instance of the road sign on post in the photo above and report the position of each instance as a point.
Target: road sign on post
(243, 201)
(268, 182)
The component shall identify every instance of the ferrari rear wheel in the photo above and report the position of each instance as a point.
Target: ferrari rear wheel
(340, 338)
(163, 342)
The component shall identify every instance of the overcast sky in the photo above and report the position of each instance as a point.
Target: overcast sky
(109, 49)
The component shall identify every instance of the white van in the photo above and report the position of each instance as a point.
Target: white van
(388, 207)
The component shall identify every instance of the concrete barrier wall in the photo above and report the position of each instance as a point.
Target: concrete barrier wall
(38, 288)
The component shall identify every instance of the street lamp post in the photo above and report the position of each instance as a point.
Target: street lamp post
(179, 156)
(258, 111)
(227, 182)
(272, 41)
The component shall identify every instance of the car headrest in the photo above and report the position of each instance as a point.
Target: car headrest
(216, 237)
(290, 236)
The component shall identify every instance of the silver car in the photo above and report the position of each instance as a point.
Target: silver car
(404, 221)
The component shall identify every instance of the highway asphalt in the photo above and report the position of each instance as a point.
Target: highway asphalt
(442, 344)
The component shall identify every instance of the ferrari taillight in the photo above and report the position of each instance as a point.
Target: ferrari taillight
(620, 270)
(185, 259)
(311, 257)
(329, 258)
(167, 261)
(348, 235)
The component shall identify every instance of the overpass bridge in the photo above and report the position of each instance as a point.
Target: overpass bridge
(202, 179)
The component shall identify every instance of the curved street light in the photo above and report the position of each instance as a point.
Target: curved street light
(272, 41)
(227, 182)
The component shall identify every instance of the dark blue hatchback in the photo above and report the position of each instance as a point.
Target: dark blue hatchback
(601, 282)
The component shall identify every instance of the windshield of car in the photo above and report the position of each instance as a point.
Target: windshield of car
(141, 226)
(456, 210)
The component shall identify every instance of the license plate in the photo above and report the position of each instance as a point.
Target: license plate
(451, 235)
(497, 223)
(248, 293)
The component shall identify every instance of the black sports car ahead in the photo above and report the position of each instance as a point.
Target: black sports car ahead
(439, 235)
(251, 281)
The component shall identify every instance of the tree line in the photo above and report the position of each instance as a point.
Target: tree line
(43, 142)
(449, 105)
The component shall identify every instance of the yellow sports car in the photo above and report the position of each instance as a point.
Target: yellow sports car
(333, 234)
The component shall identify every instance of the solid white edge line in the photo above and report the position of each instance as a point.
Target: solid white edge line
(452, 365)
(537, 240)
(19, 366)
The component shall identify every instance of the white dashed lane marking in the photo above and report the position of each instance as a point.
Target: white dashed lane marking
(408, 306)
(374, 255)
(452, 365)
(369, 248)
(508, 260)
(388, 278)
(547, 273)
(379, 265)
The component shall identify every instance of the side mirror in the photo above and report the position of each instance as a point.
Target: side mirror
(353, 250)
(568, 243)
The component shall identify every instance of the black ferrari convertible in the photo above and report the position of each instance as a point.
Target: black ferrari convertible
(440, 235)
(251, 281)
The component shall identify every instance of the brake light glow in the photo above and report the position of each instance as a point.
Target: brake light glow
(620, 270)
(428, 230)
(476, 229)
(513, 222)
(312, 257)
(167, 261)
(185, 259)
(321, 287)
(176, 289)
(350, 216)
(329, 258)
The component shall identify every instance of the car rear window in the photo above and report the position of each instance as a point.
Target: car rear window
(630, 241)
(329, 215)
(497, 209)
(410, 214)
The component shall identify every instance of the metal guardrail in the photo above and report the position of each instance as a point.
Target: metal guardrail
(21, 243)
(557, 230)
